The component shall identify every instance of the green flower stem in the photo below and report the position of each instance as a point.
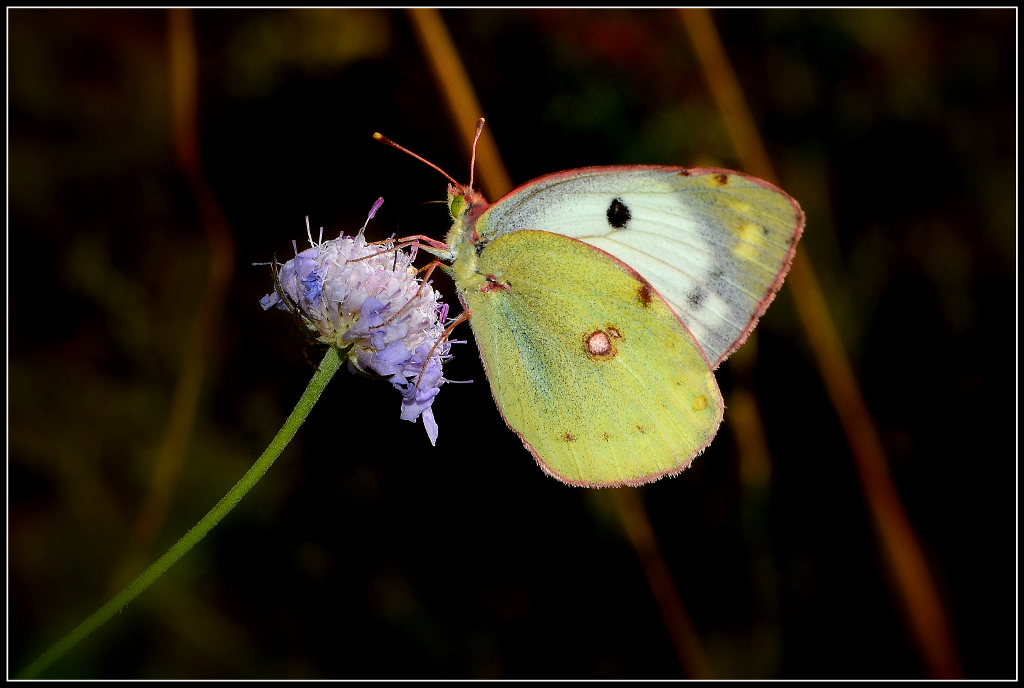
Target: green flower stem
(328, 367)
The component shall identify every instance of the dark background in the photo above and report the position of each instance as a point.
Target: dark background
(365, 552)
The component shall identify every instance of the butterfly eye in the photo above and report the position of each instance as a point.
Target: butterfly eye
(456, 205)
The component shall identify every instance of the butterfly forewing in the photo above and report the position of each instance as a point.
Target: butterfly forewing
(715, 244)
(593, 370)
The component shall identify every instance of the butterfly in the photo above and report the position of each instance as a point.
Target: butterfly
(603, 298)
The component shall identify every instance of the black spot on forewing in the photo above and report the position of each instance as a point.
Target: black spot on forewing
(618, 214)
(696, 297)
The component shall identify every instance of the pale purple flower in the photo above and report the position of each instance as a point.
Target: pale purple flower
(369, 298)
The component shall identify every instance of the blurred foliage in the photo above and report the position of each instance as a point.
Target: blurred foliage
(367, 553)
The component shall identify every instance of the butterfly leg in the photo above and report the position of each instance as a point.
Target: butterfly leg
(439, 246)
(463, 317)
(429, 268)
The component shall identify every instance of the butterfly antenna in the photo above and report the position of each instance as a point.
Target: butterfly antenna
(472, 161)
(384, 139)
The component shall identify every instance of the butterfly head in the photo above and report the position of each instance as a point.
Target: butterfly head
(466, 205)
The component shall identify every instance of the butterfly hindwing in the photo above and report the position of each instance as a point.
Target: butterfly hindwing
(714, 244)
(594, 371)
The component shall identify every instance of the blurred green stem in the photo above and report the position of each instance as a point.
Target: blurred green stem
(328, 367)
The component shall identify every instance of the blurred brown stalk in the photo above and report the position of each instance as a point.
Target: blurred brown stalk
(197, 350)
(458, 92)
(913, 581)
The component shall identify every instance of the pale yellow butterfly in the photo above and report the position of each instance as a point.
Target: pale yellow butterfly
(601, 300)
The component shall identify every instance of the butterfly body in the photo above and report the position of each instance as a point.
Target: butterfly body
(603, 298)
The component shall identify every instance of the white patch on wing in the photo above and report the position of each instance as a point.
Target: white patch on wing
(712, 253)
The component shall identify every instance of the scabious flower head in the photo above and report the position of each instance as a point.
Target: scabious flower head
(368, 297)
